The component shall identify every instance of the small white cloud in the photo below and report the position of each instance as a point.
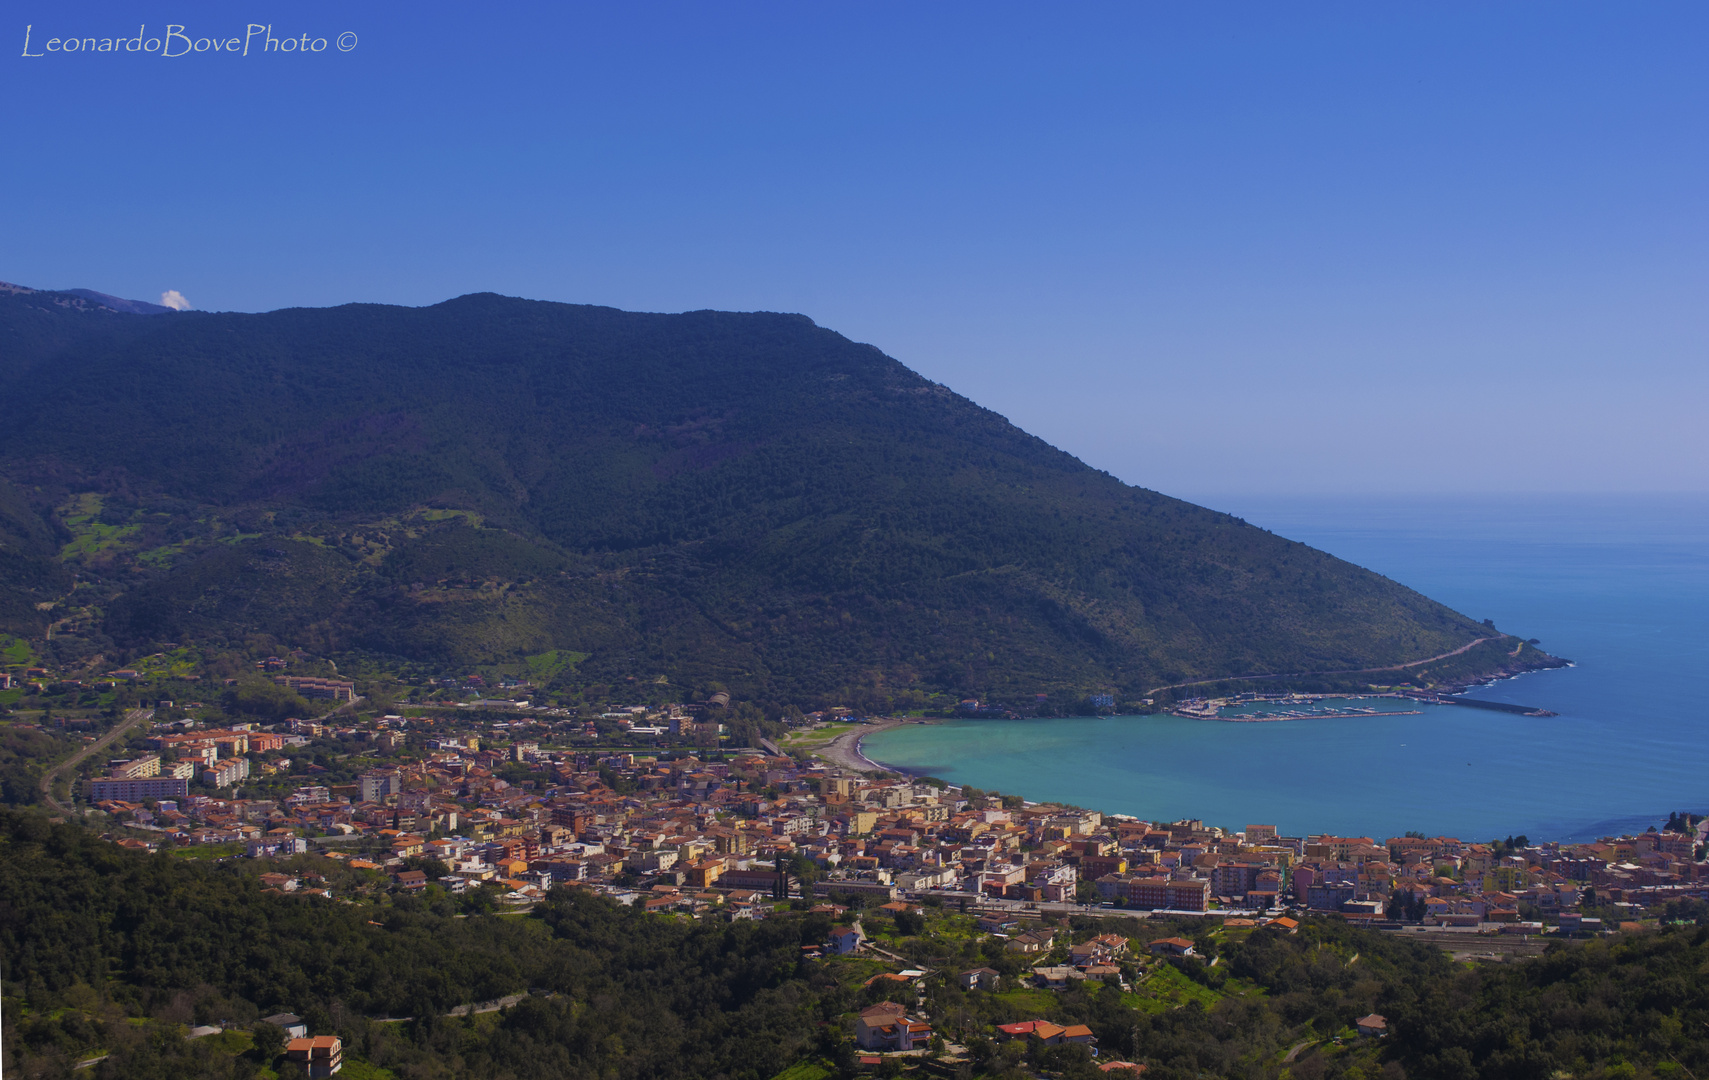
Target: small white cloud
(174, 299)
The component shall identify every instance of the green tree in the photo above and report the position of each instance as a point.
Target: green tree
(269, 1040)
(268, 700)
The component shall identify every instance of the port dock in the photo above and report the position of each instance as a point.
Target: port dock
(1304, 706)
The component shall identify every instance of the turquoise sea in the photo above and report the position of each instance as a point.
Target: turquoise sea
(1617, 584)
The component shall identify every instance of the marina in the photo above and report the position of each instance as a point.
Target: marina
(1267, 708)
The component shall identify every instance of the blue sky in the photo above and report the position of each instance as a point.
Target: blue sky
(1216, 249)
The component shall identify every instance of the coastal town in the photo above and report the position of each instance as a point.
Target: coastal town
(850, 541)
(494, 804)
(492, 801)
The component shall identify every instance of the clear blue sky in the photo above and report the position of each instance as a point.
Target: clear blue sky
(1214, 248)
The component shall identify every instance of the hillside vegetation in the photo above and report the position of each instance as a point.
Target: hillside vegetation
(744, 499)
(107, 952)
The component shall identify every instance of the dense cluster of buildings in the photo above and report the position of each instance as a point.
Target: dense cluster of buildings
(754, 826)
(729, 835)
(217, 758)
(1440, 880)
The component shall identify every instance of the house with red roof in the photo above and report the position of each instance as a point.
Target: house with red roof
(1017, 1031)
(1172, 946)
(887, 1026)
(844, 940)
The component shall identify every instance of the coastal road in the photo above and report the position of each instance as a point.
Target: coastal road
(844, 750)
(982, 904)
(1344, 671)
(131, 720)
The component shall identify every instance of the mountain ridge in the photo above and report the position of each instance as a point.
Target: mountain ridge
(745, 499)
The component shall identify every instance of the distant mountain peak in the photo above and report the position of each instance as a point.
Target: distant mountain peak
(99, 299)
(118, 303)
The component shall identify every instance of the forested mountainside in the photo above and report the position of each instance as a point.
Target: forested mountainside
(712, 497)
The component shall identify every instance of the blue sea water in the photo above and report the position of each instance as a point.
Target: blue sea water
(1617, 584)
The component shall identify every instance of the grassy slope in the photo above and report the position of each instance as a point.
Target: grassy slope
(29, 573)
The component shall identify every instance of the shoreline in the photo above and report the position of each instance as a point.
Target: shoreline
(844, 750)
(1558, 824)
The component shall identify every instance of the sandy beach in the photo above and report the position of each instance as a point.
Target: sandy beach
(844, 750)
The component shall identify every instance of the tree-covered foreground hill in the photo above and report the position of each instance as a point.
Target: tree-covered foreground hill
(746, 499)
(108, 952)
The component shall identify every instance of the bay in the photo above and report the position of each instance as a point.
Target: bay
(1617, 584)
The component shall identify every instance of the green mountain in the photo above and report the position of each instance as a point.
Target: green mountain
(712, 497)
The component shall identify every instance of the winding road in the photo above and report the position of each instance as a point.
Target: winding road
(131, 720)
